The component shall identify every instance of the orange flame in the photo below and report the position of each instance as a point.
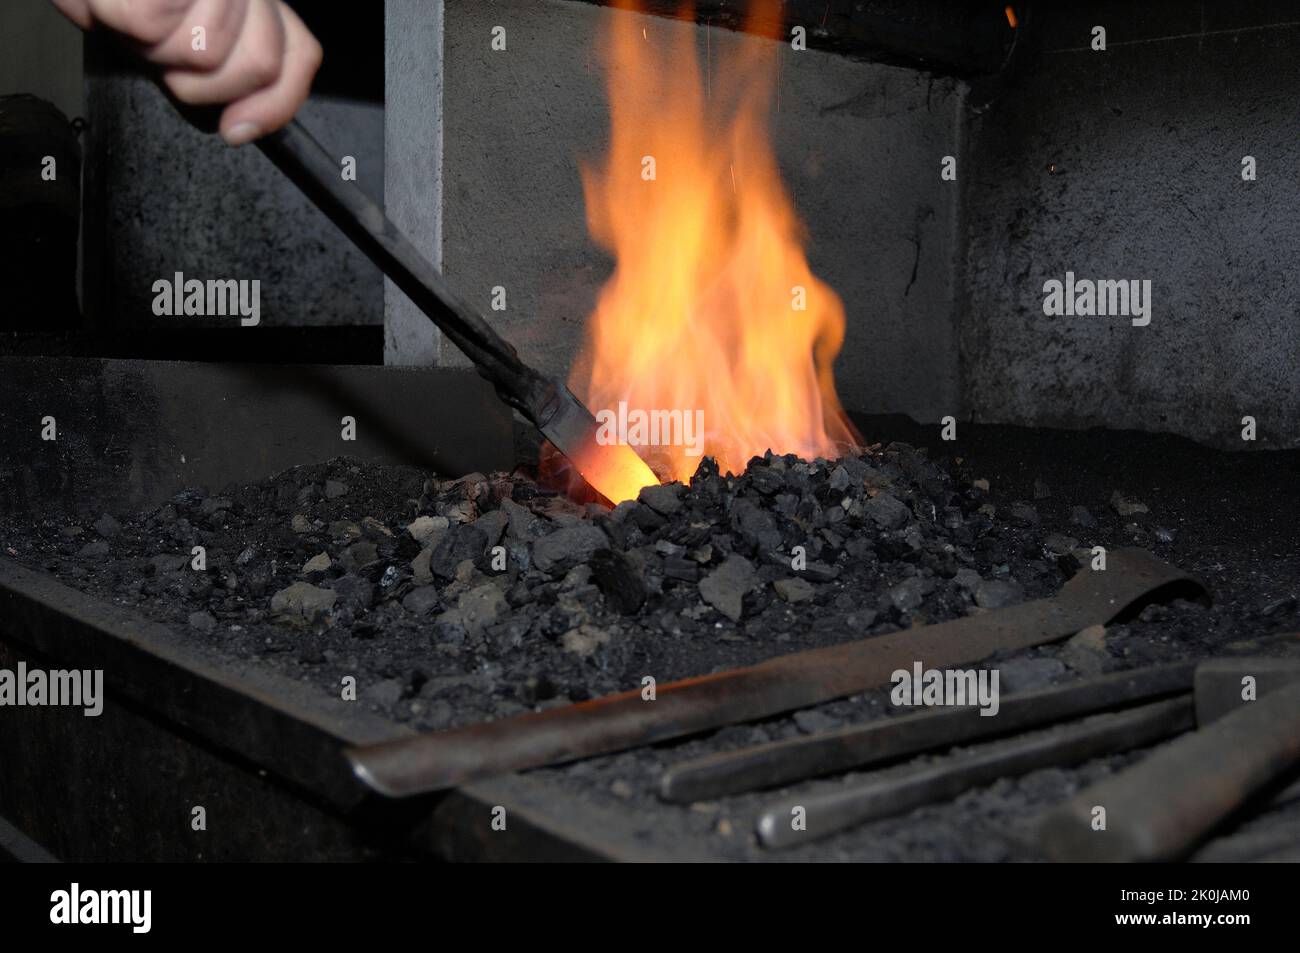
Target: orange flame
(712, 306)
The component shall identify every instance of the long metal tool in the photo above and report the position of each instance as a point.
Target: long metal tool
(614, 470)
(898, 792)
(445, 759)
(1160, 808)
(885, 739)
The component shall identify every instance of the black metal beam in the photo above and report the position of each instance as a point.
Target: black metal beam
(965, 38)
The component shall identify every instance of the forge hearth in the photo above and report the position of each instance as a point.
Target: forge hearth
(1045, 590)
(390, 576)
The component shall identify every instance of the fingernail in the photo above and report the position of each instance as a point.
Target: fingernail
(242, 134)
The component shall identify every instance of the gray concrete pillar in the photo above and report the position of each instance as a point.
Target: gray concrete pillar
(413, 162)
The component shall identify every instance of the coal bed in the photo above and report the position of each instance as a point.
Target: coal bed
(451, 601)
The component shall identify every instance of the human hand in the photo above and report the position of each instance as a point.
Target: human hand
(255, 57)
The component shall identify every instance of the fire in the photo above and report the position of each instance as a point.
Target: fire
(712, 313)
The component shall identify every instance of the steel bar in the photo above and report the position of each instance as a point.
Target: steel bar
(295, 152)
(897, 793)
(436, 761)
(613, 469)
(884, 739)
(1161, 808)
(966, 38)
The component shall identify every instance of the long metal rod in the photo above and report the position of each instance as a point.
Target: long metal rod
(801, 819)
(613, 469)
(884, 739)
(445, 759)
(297, 154)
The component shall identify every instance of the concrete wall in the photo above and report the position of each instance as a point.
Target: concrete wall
(1127, 164)
(40, 53)
(413, 163)
(174, 199)
(860, 147)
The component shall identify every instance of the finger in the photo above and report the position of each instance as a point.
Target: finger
(146, 21)
(205, 37)
(255, 63)
(269, 109)
(78, 11)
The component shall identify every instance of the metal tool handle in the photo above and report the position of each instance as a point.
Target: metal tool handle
(297, 154)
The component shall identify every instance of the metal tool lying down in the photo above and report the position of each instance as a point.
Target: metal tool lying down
(779, 763)
(1157, 811)
(888, 793)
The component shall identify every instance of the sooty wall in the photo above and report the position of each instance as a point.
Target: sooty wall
(1127, 163)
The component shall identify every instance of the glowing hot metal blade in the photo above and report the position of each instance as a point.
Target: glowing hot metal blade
(613, 470)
